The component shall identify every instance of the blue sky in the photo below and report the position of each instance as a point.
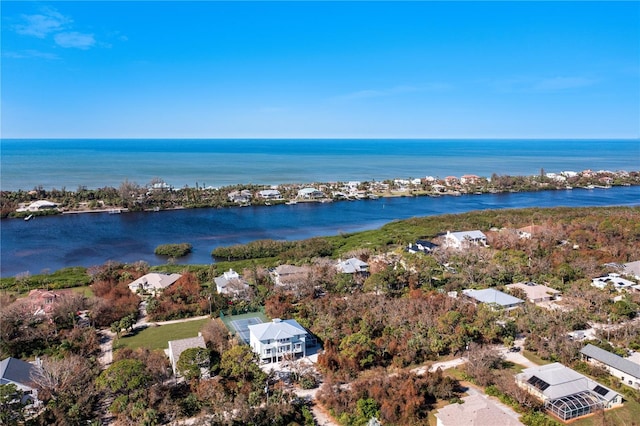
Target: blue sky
(320, 69)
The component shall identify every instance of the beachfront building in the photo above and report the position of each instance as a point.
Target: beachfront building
(230, 284)
(270, 194)
(614, 280)
(536, 293)
(493, 297)
(463, 239)
(176, 347)
(153, 283)
(272, 340)
(38, 206)
(352, 266)
(626, 371)
(476, 410)
(566, 393)
(310, 194)
(240, 197)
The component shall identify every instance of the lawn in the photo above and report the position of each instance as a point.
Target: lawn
(157, 337)
(628, 414)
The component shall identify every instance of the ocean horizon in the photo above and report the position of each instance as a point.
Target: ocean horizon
(96, 163)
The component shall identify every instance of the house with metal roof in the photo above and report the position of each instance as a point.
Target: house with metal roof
(176, 347)
(270, 194)
(566, 393)
(476, 410)
(352, 266)
(153, 282)
(464, 239)
(310, 193)
(272, 340)
(627, 371)
(18, 372)
(493, 297)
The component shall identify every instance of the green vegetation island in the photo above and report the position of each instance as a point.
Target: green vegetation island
(158, 195)
(394, 329)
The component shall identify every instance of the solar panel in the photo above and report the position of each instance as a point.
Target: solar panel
(538, 383)
(600, 390)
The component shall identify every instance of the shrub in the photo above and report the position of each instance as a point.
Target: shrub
(174, 250)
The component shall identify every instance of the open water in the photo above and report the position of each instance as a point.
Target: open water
(51, 243)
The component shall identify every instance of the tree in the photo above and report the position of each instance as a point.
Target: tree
(11, 405)
(239, 363)
(194, 363)
(124, 376)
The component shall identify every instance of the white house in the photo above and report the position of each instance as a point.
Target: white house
(566, 393)
(272, 340)
(463, 239)
(20, 373)
(614, 280)
(310, 193)
(627, 371)
(231, 284)
(176, 347)
(37, 206)
(153, 282)
(270, 194)
(476, 410)
(422, 246)
(352, 266)
(493, 297)
(536, 293)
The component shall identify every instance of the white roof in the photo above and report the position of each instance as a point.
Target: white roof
(352, 265)
(557, 381)
(471, 235)
(632, 269)
(613, 279)
(154, 280)
(267, 192)
(477, 410)
(277, 329)
(490, 295)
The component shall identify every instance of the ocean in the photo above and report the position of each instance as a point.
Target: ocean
(96, 163)
(54, 242)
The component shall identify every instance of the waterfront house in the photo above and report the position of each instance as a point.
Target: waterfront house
(352, 266)
(614, 280)
(626, 371)
(176, 347)
(240, 197)
(270, 194)
(493, 298)
(566, 393)
(19, 373)
(230, 284)
(42, 302)
(464, 239)
(272, 340)
(475, 410)
(536, 293)
(153, 283)
(310, 194)
(38, 206)
(469, 179)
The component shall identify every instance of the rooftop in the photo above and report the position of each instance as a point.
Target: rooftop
(492, 296)
(476, 411)
(612, 360)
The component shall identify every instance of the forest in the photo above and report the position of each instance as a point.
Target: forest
(374, 328)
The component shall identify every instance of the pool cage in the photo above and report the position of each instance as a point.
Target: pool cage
(572, 406)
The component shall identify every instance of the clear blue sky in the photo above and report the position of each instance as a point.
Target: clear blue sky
(320, 69)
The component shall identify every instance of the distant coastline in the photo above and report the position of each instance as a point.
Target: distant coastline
(159, 195)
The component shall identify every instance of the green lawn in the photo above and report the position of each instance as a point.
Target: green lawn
(628, 414)
(535, 358)
(158, 337)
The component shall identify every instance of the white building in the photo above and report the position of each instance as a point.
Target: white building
(627, 371)
(270, 194)
(310, 193)
(476, 410)
(17, 372)
(566, 393)
(614, 280)
(37, 206)
(463, 239)
(153, 282)
(230, 283)
(272, 340)
(352, 266)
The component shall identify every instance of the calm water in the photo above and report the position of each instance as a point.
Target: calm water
(94, 163)
(91, 239)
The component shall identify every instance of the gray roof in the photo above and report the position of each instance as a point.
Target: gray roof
(557, 381)
(476, 411)
(352, 265)
(490, 295)
(277, 329)
(14, 370)
(471, 235)
(612, 360)
(176, 347)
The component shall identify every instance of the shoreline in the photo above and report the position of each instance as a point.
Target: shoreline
(161, 196)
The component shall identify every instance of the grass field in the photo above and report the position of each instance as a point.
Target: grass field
(158, 337)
